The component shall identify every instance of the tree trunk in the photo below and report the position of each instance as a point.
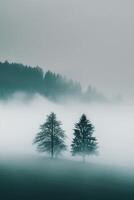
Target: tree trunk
(52, 142)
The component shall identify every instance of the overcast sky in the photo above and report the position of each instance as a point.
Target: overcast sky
(88, 40)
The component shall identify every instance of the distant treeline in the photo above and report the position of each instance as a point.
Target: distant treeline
(31, 80)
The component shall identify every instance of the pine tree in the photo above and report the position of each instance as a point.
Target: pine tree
(51, 137)
(83, 142)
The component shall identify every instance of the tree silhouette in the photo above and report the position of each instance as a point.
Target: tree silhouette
(83, 142)
(51, 136)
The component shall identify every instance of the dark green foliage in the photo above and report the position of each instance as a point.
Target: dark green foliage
(17, 77)
(57, 86)
(51, 137)
(31, 80)
(83, 142)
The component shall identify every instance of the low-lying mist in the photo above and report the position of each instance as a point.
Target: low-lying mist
(20, 120)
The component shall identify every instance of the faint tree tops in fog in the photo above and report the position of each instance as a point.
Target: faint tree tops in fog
(57, 87)
(83, 142)
(92, 95)
(51, 137)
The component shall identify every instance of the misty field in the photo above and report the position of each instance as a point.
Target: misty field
(20, 121)
(26, 175)
(40, 179)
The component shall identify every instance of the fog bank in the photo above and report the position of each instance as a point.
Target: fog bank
(20, 121)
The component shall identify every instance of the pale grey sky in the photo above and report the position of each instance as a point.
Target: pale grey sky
(88, 40)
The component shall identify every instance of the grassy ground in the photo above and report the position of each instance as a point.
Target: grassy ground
(44, 179)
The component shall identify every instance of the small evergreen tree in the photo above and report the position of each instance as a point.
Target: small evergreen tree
(51, 136)
(83, 142)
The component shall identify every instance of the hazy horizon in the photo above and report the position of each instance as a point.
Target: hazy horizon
(89, 41)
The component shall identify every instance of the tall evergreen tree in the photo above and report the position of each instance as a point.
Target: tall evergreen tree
(83, 142)
(51, 136)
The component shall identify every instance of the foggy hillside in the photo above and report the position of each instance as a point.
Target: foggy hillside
(38, 178)
(32, 80)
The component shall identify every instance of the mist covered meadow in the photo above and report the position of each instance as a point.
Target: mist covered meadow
(20, 119)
